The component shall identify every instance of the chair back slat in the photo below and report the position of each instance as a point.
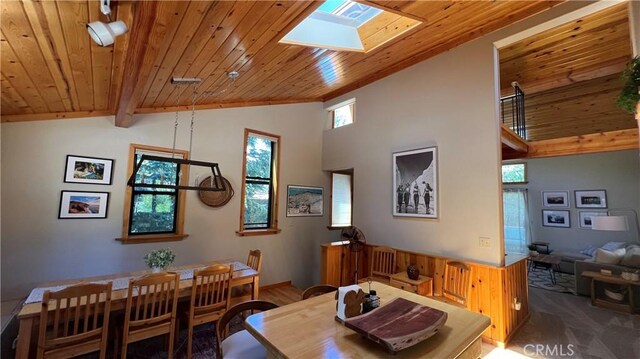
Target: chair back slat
(255, 260)
(456, 281)
(74, 315)
(383, 262)
(318, 290)
(156, 297)
(210, 288)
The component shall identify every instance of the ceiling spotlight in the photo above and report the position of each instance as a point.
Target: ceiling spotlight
(104, 34)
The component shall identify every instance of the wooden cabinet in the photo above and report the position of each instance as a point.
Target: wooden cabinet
(422, 286)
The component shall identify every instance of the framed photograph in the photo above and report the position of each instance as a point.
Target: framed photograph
(415, 183)
(76, 204)
(555, 218)
(305, 201)
(555, 199)
(90, 170)
(591, 199)
(585, 218)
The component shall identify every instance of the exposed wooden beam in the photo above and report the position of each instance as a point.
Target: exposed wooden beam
(211, 106)
(593, 143)
(53, 116)
(134, 77)
(512, 140)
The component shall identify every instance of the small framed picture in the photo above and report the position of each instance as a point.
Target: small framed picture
(76, 204)
(555, 199)
(555, 218)
(585, 218)
(89, 170)
(304, 201)
(591, 199)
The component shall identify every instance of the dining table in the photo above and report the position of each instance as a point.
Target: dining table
(29, 315)
(308, 329)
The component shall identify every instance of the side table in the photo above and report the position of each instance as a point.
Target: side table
(599, 300)
(422, 286)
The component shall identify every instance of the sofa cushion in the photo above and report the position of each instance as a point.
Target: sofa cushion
(631, 257)
(609, 257)
(589, 251)
(612, 246)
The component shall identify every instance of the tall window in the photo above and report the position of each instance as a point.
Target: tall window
(343, 113)
(516, 220)
(155, 213)
(514, 173)
(260, 183)
(341, 199)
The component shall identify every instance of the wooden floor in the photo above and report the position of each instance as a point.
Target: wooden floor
(281, 295)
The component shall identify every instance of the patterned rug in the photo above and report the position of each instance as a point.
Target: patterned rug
(540, 278)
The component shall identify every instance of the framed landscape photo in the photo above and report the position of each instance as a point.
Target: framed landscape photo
(591, 199)
(305, 201)
(585, 218)
(77, 204)
(415, 183)
(89, 170)
(552, 218)
(555, 199)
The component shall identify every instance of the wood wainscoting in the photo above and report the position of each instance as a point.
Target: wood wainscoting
(493, 292)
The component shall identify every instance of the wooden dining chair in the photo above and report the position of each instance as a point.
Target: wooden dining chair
(210, 297)
(383, 264)
(455, 288)
(318, 290)
(151, 309)
(245, 292)
(74, 321)
(240, 344)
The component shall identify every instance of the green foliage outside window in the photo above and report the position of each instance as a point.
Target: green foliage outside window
(514, 173)
(258, 182)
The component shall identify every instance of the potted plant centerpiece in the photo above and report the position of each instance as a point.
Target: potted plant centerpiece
(629, 99)
(159, 259)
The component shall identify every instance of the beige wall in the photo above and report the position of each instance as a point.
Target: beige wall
(37, 246)
(448, 101)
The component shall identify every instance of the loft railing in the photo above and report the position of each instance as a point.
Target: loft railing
(512, 111)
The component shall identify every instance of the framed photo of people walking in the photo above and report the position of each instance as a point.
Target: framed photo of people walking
(415, 183)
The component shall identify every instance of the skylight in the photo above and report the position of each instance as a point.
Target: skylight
(346, 25)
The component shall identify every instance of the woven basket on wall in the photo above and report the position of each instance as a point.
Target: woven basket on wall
(215, 198)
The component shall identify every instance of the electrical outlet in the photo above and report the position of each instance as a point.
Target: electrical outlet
(485, 242)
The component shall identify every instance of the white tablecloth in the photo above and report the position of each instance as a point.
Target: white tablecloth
(123, 282)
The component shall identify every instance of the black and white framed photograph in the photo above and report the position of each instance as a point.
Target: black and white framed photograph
(89, 170)
(304, 201)
(77, 204)
(591, 199)
(555, 199)
(553, 218)
(585, 218)
(415, 183)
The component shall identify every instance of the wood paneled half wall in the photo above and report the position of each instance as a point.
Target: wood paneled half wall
(493, 292)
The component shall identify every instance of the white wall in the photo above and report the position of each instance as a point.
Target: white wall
(449, 101)
(616, 172)
(37, 246)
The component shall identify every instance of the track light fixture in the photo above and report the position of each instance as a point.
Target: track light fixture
(104, 34)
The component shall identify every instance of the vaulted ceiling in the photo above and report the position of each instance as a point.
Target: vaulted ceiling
(571, 75)
(51, 69)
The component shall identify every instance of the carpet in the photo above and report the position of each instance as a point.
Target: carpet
(540, 278)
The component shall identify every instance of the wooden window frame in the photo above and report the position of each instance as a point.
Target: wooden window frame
(342, 172)
(128, 197)
(273, 225)
(332, 112)
(526, 174)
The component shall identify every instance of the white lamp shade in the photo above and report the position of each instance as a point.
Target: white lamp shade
(609, 223)
(105, 34)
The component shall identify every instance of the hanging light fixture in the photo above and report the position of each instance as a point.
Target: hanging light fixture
(104, 34)
(215, 181)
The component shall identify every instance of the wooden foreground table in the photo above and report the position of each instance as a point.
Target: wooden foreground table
(307, 329)
(29, 315)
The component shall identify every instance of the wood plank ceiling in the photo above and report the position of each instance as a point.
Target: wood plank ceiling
(571, 75)
(51, 68)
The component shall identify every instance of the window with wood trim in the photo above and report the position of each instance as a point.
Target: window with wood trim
(343, 113)
(341, 199)
(259, 213)
(514, 173)
(154, 214)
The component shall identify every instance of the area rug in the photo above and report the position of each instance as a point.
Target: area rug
(540, 278)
